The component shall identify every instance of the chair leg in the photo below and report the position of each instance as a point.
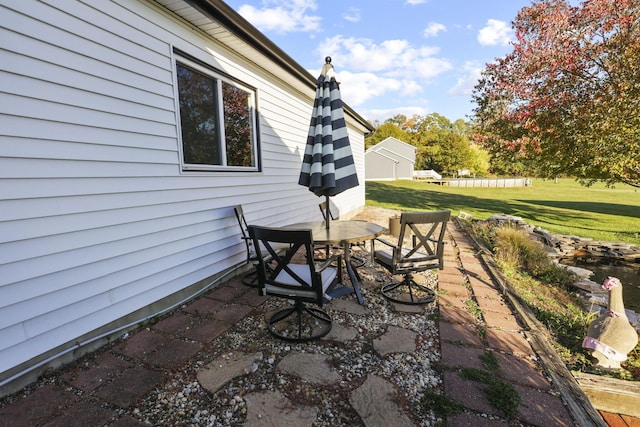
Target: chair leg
(357, 261)
(251, 279)
(415, 294)
(299, 323)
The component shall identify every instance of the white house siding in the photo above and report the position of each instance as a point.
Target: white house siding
(96, 218)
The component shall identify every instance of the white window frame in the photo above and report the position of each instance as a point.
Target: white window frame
(219, 79)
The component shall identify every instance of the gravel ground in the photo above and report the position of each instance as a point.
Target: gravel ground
(183, 402)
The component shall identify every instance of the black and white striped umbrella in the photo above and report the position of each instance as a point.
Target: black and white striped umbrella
(327, 166)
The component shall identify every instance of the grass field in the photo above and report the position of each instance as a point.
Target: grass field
(565, 207)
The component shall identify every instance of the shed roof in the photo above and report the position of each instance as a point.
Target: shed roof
(390, 139)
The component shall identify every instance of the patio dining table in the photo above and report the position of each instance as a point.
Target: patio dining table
(343, 233)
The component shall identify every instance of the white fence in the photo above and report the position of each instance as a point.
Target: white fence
(488, 182)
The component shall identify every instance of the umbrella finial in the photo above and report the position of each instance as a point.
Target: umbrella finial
(327, 69)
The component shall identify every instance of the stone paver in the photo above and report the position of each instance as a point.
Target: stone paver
(252, 299)
(470, 393)
(207, 331)
(376, 403)
(505, 321)
(541, 409)
(204, 306)
(347, 305)
(446, 300)
(175, 352)
(273, 409)
(341, 333)
(84, 414)
(456, 332)
(395, 340)
(453, 288)
(493, 304)
(43, 404)
(142, 344)
(451, 277)
(457, 315)
(130, 387)
(232, 313)
(311, 367)
(177, 323)
(104, 368)
(458, 356)
(226, 293)
(509, 342)
(223, 369)
(482, 283)
(521, 371)
(484, 292)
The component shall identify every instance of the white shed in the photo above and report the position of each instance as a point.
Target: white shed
(115, 201)
(390, 159)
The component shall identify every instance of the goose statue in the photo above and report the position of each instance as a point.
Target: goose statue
(611, 337)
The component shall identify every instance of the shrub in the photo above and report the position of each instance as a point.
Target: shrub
(515, 249)
(485, 232)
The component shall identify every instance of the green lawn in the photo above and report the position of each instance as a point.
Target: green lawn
(598, 212)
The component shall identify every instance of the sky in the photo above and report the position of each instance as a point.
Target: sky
(392, 56)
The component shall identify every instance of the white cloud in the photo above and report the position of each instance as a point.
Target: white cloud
(415, 2)
(495, 33)
(465, 84)
(357, 88)
(391, 58)
(283, 16)
(433, 28)
(352, 15)
(383, 114)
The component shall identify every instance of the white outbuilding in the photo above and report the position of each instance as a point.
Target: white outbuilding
(390, 159)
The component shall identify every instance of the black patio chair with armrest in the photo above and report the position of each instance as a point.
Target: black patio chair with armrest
(251, 278)
(424, 253)
(295, 276)
(356, 261)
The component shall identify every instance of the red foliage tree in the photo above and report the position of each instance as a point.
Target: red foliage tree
(567, 98)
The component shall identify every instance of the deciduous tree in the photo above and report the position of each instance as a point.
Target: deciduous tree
(567, 98)
(384, 131)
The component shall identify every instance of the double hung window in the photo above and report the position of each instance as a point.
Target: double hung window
(217, 120)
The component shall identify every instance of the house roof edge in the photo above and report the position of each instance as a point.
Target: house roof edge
(234, 22)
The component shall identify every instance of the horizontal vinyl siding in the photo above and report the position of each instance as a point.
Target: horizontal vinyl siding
(96, 218)
(380, 167)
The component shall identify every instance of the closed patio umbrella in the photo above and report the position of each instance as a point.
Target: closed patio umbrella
(327, 166)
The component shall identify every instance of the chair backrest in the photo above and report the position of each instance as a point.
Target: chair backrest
(292, 273)
(242, 222)
(323, 209)
(427, 231)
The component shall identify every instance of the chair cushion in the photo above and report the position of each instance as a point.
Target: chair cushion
(279, 247)
(417, 261)
(302, 270)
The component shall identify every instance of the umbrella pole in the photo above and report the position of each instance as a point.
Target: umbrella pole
(327, 215)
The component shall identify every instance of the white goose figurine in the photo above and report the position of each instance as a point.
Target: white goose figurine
(611, 337)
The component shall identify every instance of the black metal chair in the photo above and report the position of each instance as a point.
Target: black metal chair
(425, 253)
(251, 278)
(356, 261)
(295, 276)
